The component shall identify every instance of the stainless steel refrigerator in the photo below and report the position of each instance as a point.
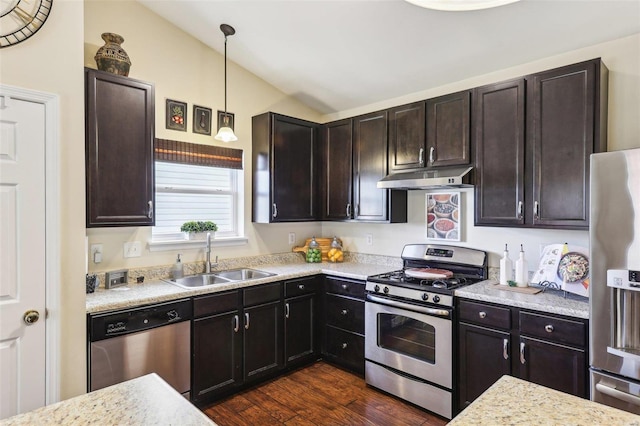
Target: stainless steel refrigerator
(614, 321)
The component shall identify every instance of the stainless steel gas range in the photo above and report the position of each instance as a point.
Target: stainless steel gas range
(409, 346)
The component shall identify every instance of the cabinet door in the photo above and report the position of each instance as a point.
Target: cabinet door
(294, 179)
(499, 132)
(448, 124)
(119, 150)
(217, 355)
(344, 348)
(484, 358)
(554, 366)
(562, 106)
(338, 170)
(370, 165)
(263, 341)
(407, 137)
(301, 340)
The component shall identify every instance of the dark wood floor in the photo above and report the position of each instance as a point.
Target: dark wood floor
(319, 394)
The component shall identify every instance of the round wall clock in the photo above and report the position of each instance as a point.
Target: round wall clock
(20, 19)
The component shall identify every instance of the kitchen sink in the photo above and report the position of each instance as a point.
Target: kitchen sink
(221, 277)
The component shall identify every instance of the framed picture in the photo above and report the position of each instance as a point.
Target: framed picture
(221, 119)
(176, 115)
(443, 216)
(201, 120)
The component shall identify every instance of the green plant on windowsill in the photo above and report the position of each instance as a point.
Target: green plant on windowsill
(196, 230)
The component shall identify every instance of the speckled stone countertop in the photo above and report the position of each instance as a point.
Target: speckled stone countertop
(160, 291)
(147, 400)
(511, 401)
(551, 301)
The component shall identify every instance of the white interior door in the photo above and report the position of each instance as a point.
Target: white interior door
(22, 256)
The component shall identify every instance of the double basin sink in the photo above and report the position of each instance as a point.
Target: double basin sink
(221, 277)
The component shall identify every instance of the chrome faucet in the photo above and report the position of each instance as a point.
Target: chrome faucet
(207, 264)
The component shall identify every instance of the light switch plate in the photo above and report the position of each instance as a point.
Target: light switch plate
(369, 239)
(133, 249)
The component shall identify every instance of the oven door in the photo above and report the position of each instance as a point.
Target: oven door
(413, 339)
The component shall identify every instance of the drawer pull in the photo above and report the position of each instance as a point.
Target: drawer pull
(482, 314)
(522, 359)
(505, 348)
(344, 312)
(300, 286)
(548, 328)
(344, 346)
(344, 286)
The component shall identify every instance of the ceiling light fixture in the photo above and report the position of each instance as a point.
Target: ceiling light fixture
(225, 133)
(460, 5)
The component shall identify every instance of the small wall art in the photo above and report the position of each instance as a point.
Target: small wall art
(176, 118)
(221, 119)
(443, 216)
(201, 120)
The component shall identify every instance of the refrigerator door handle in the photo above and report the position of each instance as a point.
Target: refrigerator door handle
(615, 393)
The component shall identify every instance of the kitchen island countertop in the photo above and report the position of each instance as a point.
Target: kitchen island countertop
(511, 401)
(146, 400)
(551, 301)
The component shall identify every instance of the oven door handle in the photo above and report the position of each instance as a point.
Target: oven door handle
(421, 309)
(617, 394)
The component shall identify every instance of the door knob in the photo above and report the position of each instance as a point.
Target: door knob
(31, 317)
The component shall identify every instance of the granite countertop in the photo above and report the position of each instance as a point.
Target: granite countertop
(517, 402)
(551, 301)
(146, 400)
(157, 291)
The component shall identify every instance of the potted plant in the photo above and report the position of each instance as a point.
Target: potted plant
(197, 230)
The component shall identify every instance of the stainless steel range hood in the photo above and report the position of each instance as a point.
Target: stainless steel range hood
(427, 179)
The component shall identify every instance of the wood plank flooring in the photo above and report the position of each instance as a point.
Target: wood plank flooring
(319, 394)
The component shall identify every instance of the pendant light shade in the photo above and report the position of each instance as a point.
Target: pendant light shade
(460, 5)
(225, 134)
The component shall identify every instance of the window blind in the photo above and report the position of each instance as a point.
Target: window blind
(197, 154)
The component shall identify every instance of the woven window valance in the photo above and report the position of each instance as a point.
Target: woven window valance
(197, 154)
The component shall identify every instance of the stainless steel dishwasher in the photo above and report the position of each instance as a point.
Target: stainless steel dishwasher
(150, 339)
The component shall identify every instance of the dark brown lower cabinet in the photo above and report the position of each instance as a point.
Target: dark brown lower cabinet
(301, 327)
(494, 340)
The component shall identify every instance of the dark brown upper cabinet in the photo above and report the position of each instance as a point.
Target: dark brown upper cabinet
(337, 165)
(448, 126)
(119, 150)
(285, 176)
(370, 165)
(407, 137)
(533, 140)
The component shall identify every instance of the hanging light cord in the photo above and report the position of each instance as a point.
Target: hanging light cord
(226, 117)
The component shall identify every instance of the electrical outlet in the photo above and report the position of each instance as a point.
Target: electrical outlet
(96, 253)
(369, 239)
(292, 237)
(132, 249)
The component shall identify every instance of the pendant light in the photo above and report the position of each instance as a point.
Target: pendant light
(460, 5)
(225, 133)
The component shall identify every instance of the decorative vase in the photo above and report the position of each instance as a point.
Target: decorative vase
(111, 57)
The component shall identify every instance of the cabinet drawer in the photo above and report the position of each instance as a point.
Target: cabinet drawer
(346, 287)
(261, 294)
(553, 329)
(345, 348)
(345, 313)
(300, 287)
(487, 315)
(215, 303)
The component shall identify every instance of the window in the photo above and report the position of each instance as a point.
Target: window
(193, 182)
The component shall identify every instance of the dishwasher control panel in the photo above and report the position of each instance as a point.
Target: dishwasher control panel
(106, 325)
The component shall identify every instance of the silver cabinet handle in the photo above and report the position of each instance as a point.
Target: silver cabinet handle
(548, 328)
(432, 155)
(357, 209)
(536, 210)
(300, 286)
(274, 211)
(421, 157)
(522, 360)
(344, 312)
(246, 320)
(482, 314)
(520, 209)
(505, 348)
(236, 323)
(344, 286)
(150, 210)
(286, 310)
(344, 346)
(348, 209)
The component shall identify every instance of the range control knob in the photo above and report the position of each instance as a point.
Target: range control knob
(386, 290)
(172, 314)
(425, 296)
(436, 299)
(376, 288)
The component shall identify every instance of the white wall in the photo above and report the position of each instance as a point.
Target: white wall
(622, 57)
